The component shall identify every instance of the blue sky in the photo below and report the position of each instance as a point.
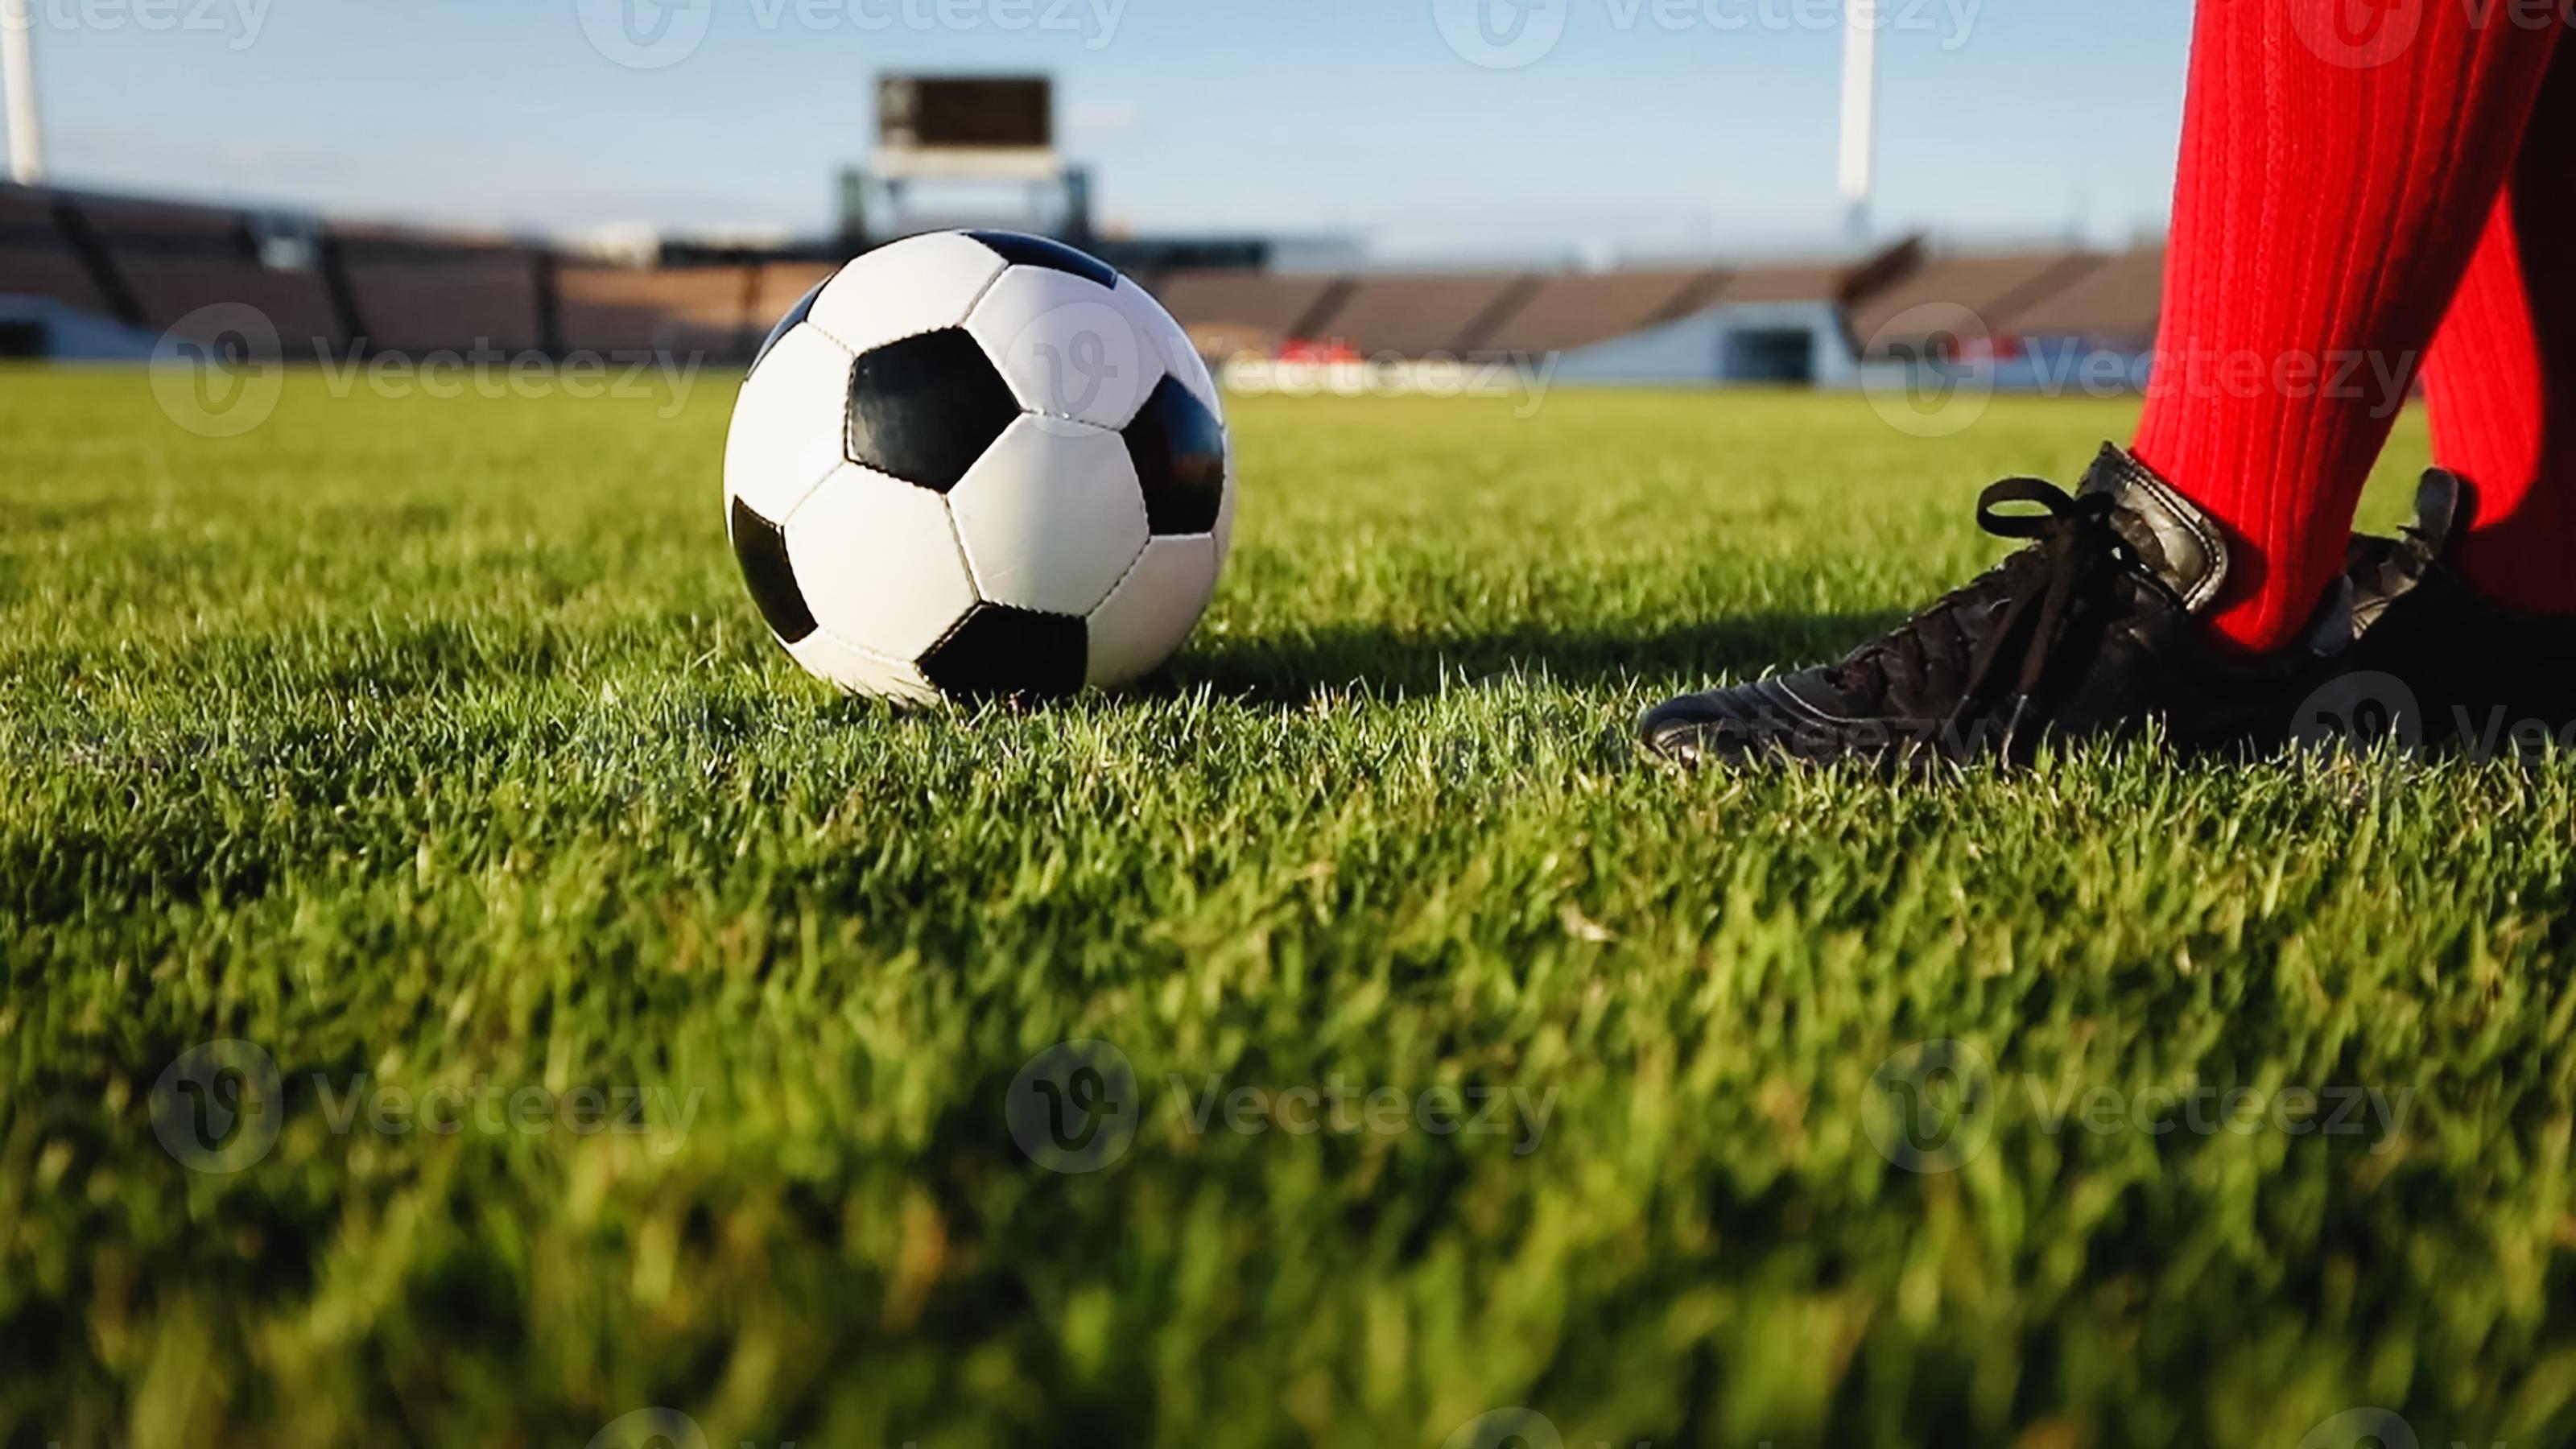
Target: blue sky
(1647, 127)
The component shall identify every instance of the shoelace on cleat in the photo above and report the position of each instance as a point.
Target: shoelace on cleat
(2027, 603)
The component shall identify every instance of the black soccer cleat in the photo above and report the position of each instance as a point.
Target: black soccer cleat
(2445, 664)
(2092, 631)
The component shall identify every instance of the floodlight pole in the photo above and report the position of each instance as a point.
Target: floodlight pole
(18, 79)
(1860, 109)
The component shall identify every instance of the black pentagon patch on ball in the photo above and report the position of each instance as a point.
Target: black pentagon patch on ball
(1179, 450)
(761, 547)
(924, 409)
(803, 309)
(998, 650)
(1037, 251)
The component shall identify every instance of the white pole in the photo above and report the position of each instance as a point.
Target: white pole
(18, 78)
(1860, 106)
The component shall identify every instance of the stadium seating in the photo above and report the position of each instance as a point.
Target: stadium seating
(2118, 302)
(138, 268)
(1249, 311)
(1579, 310)
(1412, 316)
(1966, 294)
(706, 311)
(780, 286)
(175, 261)
(36, 258)
(1794, 282)
(422, 292)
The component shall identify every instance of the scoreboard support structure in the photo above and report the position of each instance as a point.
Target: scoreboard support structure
(992, 134)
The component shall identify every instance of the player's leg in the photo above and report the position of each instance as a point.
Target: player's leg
(2338, 160)
(2486, 626)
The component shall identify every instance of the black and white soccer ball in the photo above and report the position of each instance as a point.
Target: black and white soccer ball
(976, 464)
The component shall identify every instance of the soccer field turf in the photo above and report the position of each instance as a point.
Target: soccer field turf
(645, 1020)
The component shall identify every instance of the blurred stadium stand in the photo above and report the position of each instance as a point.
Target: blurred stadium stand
(103, 276)
(1416, 316)
(37, 259)
(1783, 324)
(1946, 295)
(1567, 312)
(2117, 302)
(779, 285)
(1255, 311)
(175, 261)
(677, 310)
(423, 291)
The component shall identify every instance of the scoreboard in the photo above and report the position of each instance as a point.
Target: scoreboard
(932, 114)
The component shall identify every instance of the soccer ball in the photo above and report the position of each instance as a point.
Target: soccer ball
(976, 464)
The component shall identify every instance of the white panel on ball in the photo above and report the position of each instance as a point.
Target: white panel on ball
(916, 285)
(1067, 347)
(1153, 609)
(861, 671)
(1051, 516)
(790, 426)
(878, 563)
(1180, 356)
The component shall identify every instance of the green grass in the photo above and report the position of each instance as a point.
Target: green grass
(425, 743)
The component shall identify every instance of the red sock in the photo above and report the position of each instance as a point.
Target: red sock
(2503, 372)
(2338, 162)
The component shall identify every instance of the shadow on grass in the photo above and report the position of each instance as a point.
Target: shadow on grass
(1393, 663)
